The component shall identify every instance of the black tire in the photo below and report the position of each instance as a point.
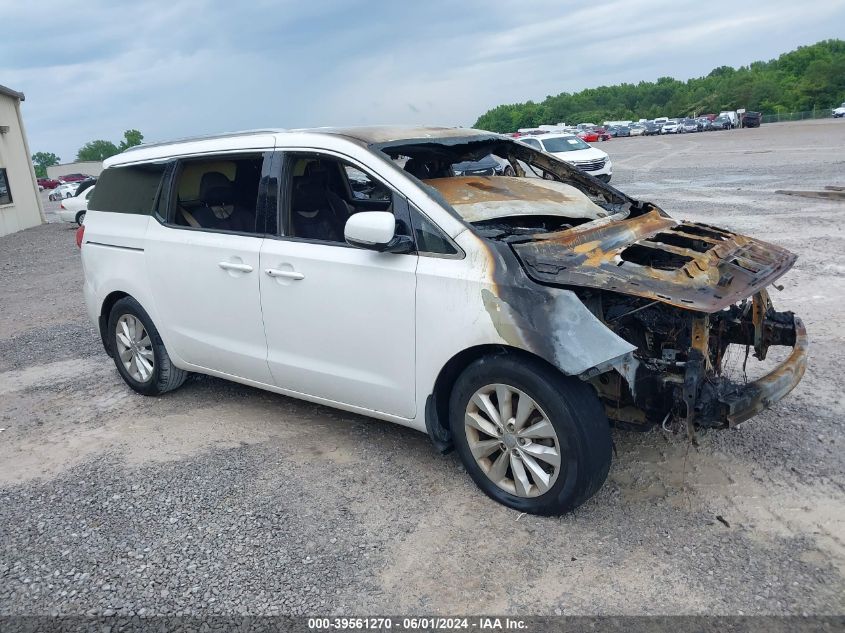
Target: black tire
(80, 217)
(509, 171)
(165, 376)
(571, 406)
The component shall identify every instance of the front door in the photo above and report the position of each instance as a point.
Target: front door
(339, 320)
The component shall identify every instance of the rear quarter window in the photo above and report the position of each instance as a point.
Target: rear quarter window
(131, 189)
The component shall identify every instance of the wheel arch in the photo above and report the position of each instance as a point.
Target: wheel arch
(437, 403)
(105, 311)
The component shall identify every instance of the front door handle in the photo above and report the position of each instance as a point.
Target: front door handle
(241, 268)
(287, 274)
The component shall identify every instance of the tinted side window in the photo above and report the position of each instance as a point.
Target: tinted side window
(430, 239)
(363, 187)
(322, 192)
(218, 194)
(533, 142)
(130, 189)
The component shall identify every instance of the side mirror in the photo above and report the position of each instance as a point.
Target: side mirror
(376, 231)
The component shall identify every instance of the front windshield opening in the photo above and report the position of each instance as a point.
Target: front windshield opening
(496, 180)
(564, 144)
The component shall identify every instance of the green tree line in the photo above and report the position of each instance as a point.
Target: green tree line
(808, 78)
(101, 150)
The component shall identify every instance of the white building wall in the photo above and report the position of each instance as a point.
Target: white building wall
(25, 209)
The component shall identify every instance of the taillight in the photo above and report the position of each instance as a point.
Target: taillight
(80, 233)
(62, 205)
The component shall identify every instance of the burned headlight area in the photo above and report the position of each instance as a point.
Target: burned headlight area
(679, 370)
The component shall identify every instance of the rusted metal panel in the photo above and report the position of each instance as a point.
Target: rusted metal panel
(640, 256)
(764, 392)
(378, 134)
(479, 198)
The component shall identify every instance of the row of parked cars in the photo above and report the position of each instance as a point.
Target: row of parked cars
(74, 191)
(63, 187)
(705, 123)
(592, 133)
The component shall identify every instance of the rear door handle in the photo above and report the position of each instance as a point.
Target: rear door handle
(241, 268)
(287, 274)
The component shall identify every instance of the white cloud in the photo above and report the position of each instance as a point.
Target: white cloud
(196, 66)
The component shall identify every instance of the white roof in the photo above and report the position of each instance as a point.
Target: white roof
(267, 139)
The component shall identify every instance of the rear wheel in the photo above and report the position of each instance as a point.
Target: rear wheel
(80, 218)
(138, 351)
(531, 438)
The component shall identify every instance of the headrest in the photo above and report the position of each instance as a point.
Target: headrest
(416, 168)
(316, 169)
(216, 189)
(309, 194)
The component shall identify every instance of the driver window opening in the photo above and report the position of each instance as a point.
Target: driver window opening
(323, 192)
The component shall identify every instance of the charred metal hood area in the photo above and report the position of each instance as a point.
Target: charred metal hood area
(688, 265)
(656, 314)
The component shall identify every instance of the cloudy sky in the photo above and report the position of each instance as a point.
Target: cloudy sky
(174, 68)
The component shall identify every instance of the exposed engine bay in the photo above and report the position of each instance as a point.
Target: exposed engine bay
(679, 369)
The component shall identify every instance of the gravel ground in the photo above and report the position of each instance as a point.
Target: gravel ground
(219, 498)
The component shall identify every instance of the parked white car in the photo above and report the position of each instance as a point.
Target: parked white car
(839, 112)
(574, 151)
(506, 316)
(73, 209)
(64, 190)
(672, 126)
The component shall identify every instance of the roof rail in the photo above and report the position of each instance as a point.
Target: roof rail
(206, 137)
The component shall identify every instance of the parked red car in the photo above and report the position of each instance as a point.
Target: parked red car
(48, 183)
(594, 135)
(74, 177)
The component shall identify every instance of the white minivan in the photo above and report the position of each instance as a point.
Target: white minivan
(513, 316)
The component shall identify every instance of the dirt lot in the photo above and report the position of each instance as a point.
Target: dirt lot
(221, 498)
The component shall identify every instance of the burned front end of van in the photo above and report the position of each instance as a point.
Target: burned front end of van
(685, 294)
(578, 270)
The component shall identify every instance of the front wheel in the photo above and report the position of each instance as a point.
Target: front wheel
(138, 351)
(531, 438)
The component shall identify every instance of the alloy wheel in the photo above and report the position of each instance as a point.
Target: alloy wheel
(512, 440)
(134, 347)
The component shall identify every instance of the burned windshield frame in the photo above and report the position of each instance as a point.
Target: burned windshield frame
(457, 149)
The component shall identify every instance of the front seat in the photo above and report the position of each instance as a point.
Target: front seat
(317, 213)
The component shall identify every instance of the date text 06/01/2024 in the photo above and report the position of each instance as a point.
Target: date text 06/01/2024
(415, 623)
